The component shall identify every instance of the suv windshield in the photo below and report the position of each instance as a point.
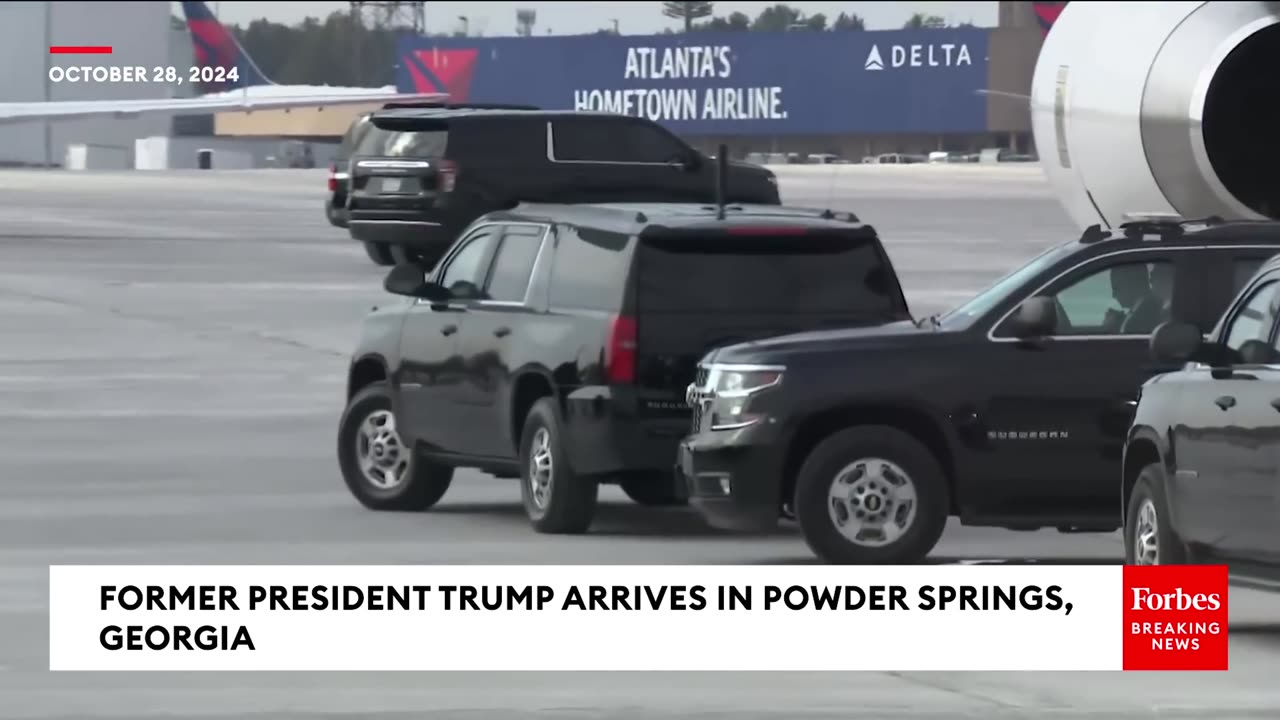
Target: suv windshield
(982, 303)
(782, 275)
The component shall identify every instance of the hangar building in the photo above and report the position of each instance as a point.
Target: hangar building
(136, 32)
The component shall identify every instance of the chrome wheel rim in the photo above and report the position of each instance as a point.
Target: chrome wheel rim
(541, 468)
(872, 502)
(1146, 542)
(383, 459)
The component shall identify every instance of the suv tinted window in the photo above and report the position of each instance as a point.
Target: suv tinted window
(589, 270)
(468, 264)
(1242, 269)
(773, 275)
(1128, 298)
(498, 140)
(1253, 320)
(513, 265)
(613, 140)
(358, 130)
(383, 143)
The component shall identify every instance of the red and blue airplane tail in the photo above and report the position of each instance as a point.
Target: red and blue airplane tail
(215, 46)
(1047, 14)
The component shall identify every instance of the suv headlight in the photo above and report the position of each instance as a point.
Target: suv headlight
(730, 389)
(741, 383)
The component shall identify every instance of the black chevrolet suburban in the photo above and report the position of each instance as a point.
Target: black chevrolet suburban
(335, 201)
(422, 175)
(554, 344)
(1009, 411)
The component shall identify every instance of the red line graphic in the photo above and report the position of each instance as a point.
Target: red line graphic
(79, 49)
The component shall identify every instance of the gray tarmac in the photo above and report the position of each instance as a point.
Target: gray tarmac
(170, 384)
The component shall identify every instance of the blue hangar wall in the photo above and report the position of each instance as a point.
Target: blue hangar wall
(800, 83)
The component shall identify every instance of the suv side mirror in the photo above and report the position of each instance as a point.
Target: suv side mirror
(411, 280)
(1257, 352)
(1035, 317)
(1175, 342)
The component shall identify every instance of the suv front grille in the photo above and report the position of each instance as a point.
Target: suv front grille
(696, 398)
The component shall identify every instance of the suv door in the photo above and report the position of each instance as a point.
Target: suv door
(502, 320)
(1224, 439)
(1059, 407)
(621, 158)
(431, 368)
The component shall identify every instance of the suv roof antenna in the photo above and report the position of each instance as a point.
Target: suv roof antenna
(722, 179)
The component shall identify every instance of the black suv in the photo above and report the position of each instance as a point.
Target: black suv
(554, 343)
(1009, 411)
(335, 201)
(425, 174)
(1200, 466)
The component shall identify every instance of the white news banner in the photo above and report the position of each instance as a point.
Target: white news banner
(381, 618)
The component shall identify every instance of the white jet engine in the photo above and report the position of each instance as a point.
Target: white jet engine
(1161, 107)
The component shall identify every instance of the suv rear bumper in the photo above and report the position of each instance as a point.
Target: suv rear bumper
(733, 478)
(602, 442)
(398, 229)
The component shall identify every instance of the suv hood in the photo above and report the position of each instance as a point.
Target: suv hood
(905, 333)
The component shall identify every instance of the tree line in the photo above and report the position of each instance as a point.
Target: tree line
(342, 50)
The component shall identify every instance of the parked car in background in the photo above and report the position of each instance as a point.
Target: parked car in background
(423, 174)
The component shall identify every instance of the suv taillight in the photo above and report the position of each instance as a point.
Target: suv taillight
(620, 351)
(333, 177)
(447, 176)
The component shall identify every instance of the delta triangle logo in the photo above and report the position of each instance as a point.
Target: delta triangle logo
(874, 61)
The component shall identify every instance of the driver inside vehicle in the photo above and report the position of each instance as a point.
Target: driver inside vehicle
(1156, 306)
(1131, 286)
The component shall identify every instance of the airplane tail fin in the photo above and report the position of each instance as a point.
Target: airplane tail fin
(216, 47)
(1047, 14)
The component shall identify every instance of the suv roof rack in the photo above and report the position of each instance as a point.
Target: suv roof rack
(1136, 226)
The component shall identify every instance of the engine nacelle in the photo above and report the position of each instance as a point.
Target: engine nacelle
(1161, 107)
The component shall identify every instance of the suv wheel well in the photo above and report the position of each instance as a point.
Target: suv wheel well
(817, 428)
(528, 390)
(1140, 454)
(363, 374)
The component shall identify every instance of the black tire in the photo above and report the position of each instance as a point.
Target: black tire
(823, 467)
(423, 483)
(401, 255)
(568, 503)
(1150, 488)
(379, 253)
(652, 491)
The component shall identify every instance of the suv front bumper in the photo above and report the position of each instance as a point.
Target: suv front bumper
(733, 478)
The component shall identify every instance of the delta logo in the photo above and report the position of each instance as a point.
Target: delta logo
(442, 71)
(1175, 617)
(919, 56)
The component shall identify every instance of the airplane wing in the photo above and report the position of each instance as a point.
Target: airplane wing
(225, 102)
(1004, 94)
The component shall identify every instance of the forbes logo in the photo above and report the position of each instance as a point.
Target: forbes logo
(934, 55)
(1144, 599)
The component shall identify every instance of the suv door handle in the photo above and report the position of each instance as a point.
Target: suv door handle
(502, 331)
(1226, 402)
(448, 329)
